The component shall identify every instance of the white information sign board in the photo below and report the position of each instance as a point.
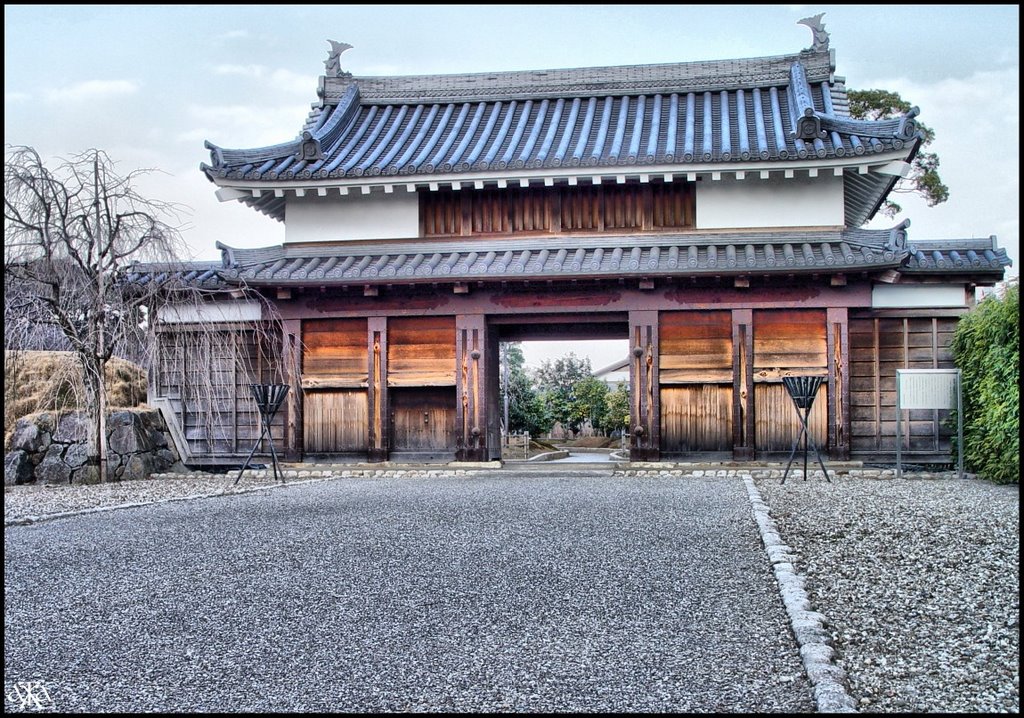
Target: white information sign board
(929, 389)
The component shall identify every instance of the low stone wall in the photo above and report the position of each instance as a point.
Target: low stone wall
(51, 448)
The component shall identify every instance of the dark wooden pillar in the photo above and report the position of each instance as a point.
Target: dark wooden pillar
(492, 402)
(742, 384)
(377, 388)
(645, 412)
(838, 347)
(471, 360)
(291, 367)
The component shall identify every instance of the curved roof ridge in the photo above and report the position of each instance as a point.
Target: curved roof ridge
(701, 75)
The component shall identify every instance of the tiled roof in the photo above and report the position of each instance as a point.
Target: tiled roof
(956, 255)
(752, 111)
(197, 275)
(545, 258)
(572, 258)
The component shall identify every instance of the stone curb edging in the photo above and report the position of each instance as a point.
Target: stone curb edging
(828, 679)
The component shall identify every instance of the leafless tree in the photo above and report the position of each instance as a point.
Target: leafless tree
(70, 233)
(91, 266)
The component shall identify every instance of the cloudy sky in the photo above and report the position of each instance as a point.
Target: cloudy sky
(148, 84)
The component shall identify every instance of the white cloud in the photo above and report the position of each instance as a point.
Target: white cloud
(244, 125)
(244, 70)
(17, 97)
(91, 90)
(293, 82)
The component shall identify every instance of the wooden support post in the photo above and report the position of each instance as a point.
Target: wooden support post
(471, 421)
(645, 412)
(492, 400)
(291, 347)
(838, 347)
(377, 388)
(743, 384)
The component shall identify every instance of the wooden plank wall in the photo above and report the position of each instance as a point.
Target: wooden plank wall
(421, 351)
(696, 381)
(334, 353)
(878, 347)
(335, 421)
(334, 379)
(206, 376)
(788, 343)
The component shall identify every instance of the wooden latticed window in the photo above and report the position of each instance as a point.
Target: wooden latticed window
(441, 213)
(612, 207)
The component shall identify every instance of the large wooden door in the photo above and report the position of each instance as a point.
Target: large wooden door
(334, 383)
(423, 420)
(696, 382)
(788, 343)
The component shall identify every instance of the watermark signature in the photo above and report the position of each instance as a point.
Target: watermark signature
(28, 696)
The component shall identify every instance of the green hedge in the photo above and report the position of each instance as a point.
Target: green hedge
(986, 349)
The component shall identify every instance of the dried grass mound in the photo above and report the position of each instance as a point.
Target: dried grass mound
(37, 381)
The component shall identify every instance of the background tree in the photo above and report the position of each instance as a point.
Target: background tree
(616, 415)
(93, 267)
(527, 411)
(592, 401)
(924, 176)
(573, 395)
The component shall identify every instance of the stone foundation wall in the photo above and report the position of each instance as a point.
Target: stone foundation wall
(51, 448)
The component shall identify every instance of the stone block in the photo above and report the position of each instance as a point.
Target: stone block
(18, 469)
(29, 437)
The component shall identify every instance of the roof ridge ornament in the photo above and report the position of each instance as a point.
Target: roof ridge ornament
(818, 32)
(333, 61)
(898, 237)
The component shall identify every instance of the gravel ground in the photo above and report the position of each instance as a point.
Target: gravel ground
(494, 592)
(920, 581)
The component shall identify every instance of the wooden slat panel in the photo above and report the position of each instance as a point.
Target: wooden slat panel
(334, 348)
(790, 339)
(335, 421)
(695, 347)
(776, 421)
(696, 418)
(695, 376)
(421, 351)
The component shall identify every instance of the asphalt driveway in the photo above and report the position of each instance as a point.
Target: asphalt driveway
(510, 592)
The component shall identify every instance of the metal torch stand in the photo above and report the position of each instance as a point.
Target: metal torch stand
(802, 390)
(269, 398)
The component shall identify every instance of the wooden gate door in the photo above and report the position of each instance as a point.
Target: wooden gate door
(423, 421)
(788, 343)
(696, 382)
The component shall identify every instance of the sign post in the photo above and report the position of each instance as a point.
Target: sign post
(929, 389)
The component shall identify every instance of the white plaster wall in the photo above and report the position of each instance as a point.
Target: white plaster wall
(730, 203)
(895, 296)
(211, 312)
(355, 216)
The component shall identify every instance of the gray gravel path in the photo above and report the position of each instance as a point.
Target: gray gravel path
(920, 581)
(494, 592)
